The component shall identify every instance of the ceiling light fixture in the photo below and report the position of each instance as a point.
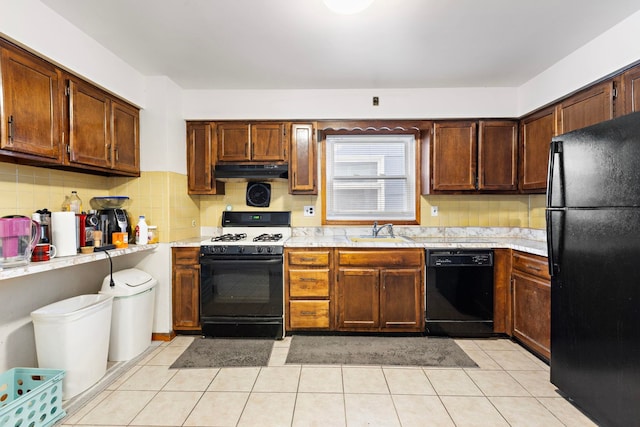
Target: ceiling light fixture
(347, 7)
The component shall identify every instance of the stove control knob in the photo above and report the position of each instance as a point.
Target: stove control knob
(259, 249)
(269, 249)
(222, 249)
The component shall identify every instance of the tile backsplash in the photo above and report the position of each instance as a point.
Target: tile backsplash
(162, 197)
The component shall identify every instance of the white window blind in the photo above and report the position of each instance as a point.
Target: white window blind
(370, 177)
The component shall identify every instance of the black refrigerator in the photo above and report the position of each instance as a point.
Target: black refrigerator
(593, 238)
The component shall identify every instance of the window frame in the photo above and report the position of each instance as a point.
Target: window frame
(363, 132)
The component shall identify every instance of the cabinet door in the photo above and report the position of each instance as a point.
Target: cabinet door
(536, 132)
(89, 125)
(532, 312)
(233, 142)
(269, 142)
(498, 155)
(303, 161)
(401, 299)
(125, 136)
(31, 106)
(586, 108)
(454, 156)
(630, 93)
(200, 154)
(186, 289)
(358, 298)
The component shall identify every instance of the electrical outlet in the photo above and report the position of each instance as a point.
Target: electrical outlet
(434, 211)
(309, 211)
(193, 222)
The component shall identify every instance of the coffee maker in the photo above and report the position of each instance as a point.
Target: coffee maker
(113, 221)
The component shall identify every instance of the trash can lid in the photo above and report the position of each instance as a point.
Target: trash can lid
(130, 281)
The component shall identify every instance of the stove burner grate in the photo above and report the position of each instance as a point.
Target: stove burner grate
(265, 237)
(229, 237)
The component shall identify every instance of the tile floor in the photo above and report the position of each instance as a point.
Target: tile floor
(509, 388)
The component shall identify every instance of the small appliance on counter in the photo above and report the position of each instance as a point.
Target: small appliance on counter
(111, 218)
(18, 237)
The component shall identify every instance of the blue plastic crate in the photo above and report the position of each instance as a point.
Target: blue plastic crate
(31, 397)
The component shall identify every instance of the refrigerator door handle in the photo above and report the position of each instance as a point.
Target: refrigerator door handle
(555, 230)
(555, 182)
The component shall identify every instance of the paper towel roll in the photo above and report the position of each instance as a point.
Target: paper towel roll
(63, 233)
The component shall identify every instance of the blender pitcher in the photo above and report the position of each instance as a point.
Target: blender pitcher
(18, 237)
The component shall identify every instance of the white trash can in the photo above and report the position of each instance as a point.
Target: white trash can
(73, 334)
(134, 297)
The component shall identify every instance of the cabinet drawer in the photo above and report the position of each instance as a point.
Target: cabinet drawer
(531, 264)
(316, 258)
(309, 314)
(186, 256)
(308, 283)
(386, 258)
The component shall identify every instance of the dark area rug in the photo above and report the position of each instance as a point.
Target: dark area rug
(221, 352)
(377, 350)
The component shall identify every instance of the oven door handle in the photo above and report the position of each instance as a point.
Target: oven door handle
(244, 258)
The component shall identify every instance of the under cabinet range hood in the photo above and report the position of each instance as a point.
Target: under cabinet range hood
(251, 172)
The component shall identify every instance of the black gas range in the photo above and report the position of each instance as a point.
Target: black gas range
(241, 276)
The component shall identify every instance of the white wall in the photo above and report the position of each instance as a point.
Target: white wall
(606, 54)
(31, 23)
(162, 128)
(350, 104)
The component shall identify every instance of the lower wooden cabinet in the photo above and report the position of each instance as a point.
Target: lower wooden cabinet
(380, 291)
(308, 288)
(185, 292)
(531, 306)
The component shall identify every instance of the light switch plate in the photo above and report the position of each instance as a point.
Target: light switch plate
(434, 211)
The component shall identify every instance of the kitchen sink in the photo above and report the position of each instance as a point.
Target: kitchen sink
(380, 239)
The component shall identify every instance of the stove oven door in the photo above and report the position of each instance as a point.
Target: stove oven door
(242, 295)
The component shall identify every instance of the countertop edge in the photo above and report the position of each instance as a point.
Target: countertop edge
(69, 261)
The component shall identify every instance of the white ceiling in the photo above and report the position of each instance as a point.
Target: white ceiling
(300, 44)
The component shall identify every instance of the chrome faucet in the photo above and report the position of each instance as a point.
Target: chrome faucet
(376, 229)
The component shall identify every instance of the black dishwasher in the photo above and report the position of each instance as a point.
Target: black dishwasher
(459, 292)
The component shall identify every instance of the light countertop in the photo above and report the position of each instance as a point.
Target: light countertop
(521, 239)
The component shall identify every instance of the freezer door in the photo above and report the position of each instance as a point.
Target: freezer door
(597, 166)
(595, 313)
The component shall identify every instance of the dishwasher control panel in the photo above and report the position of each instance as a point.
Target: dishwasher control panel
(456, 258)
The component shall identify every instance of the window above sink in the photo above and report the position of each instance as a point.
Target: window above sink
(370, 177)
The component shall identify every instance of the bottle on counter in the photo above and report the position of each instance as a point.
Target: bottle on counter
(142, 231)
(75, 203)
(153, 234)
(66, 204)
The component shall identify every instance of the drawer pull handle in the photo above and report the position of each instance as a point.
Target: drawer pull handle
(307, 313)
(308, 279)
(533, 267)
(307, 259)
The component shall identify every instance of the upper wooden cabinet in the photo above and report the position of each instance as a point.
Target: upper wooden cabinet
(303, 161)
(200, 160)
(41, 104)
(586, 108)
(454, 156)
(32, 106)
(470, 155)
(89, 125)
(630, 92)
(252, 142)
(536, 132)
(103, 131)
(498, 155)
(125, 132)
